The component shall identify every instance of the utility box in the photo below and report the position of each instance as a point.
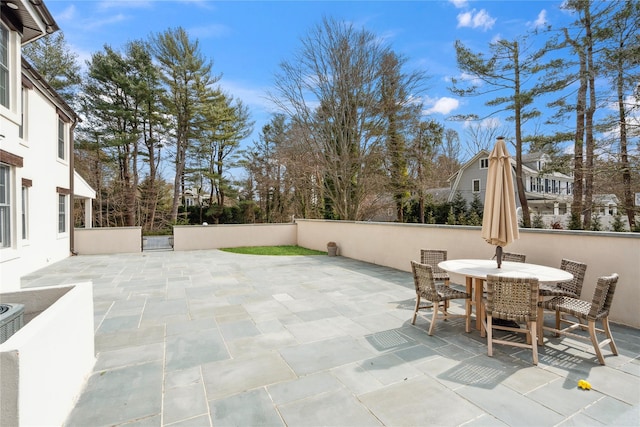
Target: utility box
(11, 320)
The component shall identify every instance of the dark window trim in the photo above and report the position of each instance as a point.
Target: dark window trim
(63, 116)
(27, 182)
(64, 191)
(11, 159)
(26, 83)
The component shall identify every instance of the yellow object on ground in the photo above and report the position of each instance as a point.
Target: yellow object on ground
(584, 385)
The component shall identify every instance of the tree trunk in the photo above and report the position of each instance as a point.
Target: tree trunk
(624, 158)
(591, 109)
(522, 195)
(578, 166)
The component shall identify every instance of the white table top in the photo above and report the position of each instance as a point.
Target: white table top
(480, 268)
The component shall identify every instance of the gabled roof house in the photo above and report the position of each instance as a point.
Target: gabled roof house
(38, 183)
(546, 192)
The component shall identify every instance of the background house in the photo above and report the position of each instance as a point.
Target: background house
(37, 181)
(549, 194)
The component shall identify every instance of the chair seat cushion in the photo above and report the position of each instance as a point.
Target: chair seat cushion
(447, 292)
(554, 291)
(573, 306)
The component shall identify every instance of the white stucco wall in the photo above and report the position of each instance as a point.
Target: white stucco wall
(45, 364)
(107, 240)
(395, 245)
(228, 236)
(41, 166)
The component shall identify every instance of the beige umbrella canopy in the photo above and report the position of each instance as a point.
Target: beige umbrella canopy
(500, 221)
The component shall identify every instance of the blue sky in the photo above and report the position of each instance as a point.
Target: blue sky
(247, 40)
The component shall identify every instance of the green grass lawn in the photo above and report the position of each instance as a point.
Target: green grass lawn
(273, 250)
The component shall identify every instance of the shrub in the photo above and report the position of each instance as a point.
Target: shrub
(618, 224)
(596, 224)
(537, 221)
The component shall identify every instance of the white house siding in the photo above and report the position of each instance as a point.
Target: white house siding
(45, 175)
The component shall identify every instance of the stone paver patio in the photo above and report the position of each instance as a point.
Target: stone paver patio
(208, 338)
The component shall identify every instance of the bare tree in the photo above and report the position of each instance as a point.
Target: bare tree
(426, 139)
(330, 89)
(481, 135)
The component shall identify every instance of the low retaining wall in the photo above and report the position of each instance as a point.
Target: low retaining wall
(45, 364)
(194, 237)
(395, 245)
(116, 240)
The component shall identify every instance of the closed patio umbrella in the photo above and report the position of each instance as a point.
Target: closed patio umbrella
(500, 221)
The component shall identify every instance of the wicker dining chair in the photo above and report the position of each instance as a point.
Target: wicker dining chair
(513, 299)
(589, 312)
(513, 257)
(438, 295)
(433, 257)
(571, 288)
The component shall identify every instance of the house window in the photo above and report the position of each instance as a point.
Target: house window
(23, 108)
(476, 185)
(484, 163)
(547, 188)
(5, 206)
(4, 66)
(62, 213)
(25, 212)
(61, 144)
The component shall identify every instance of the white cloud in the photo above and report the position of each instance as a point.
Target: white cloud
(67, 15)
(464, 19)
(109, 20)
(122, 4)
(475, 19)
(209, 31)
(459, 4)
(491, 123)
(251, 96)
(443, 105)
(488, 123)
(475, 81)
(540, 21)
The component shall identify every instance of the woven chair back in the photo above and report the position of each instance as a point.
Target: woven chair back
(578, 269)
(603, 296)
(433, 257)
(513, 257)
(424, 282)
(512, 298)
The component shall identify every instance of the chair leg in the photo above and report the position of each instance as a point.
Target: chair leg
(415, 312)
(483, 324)
(540, 324)
(557, 322)
(436, 307)
(446, 303)
(607, 331)
(467, 312)
(534, 342)
(594, 341)
(489, 336)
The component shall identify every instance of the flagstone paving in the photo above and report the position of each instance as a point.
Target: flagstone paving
(209, 338)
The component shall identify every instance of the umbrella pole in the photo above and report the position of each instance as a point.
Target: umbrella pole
(499, 255)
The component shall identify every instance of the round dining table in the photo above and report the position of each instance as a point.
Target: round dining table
(476, 271)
